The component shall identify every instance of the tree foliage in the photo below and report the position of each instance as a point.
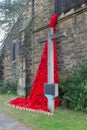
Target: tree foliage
(9, 12)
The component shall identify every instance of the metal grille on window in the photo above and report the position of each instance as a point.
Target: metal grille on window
(66, 5)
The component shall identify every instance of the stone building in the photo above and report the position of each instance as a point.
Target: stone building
(21, 51)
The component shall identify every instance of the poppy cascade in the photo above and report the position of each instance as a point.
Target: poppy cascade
(37, 101)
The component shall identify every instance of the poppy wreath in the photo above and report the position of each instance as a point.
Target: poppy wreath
(37, 101)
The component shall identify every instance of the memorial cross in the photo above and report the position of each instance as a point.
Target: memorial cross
(51, 89)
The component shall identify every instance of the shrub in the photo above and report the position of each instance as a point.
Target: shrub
(73, 92)
(8, 87)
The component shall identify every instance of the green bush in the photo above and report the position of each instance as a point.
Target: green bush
(73, 92)
(8, 87)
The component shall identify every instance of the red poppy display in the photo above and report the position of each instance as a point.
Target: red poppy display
(37, 100)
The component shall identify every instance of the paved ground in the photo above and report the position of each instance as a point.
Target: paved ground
(8, 123)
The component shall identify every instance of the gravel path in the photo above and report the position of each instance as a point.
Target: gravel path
(8, 123)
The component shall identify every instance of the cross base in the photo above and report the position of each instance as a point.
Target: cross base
(51, 91)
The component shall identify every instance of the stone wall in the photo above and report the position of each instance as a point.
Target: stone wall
(73, 48)
(70, 49)
(43, 11)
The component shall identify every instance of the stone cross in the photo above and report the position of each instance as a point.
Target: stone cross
(51, 89)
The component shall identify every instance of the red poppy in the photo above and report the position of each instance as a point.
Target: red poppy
(37, 100)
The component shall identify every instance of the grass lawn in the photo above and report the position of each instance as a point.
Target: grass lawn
(61, 120)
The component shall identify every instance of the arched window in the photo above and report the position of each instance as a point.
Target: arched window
(14, 53)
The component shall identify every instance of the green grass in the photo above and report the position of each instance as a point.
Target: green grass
(61, 120)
